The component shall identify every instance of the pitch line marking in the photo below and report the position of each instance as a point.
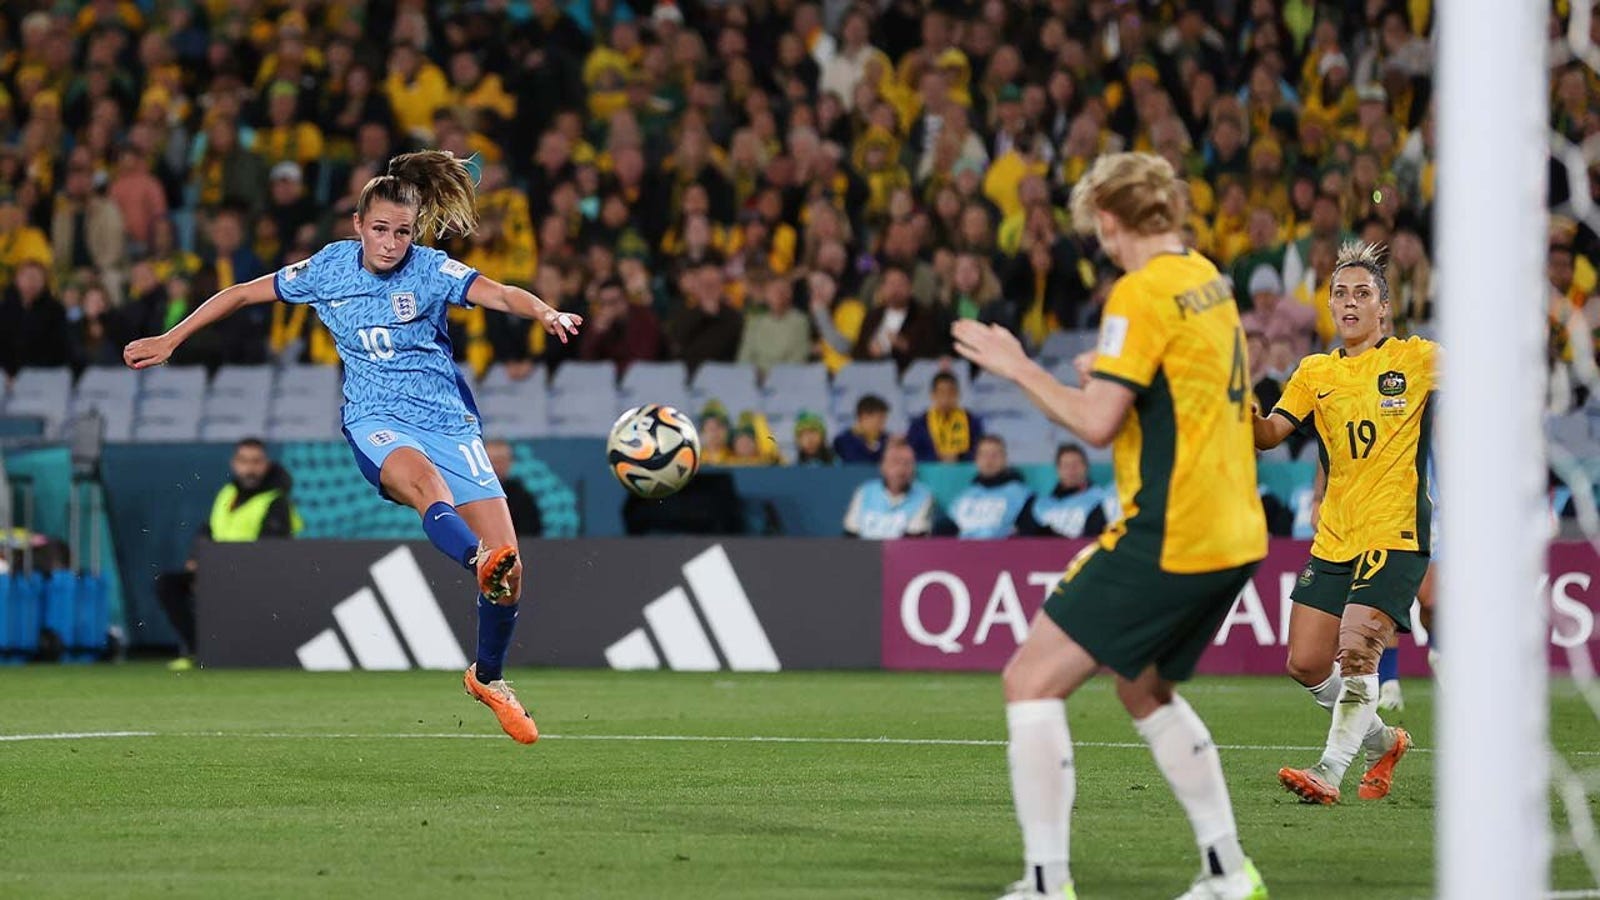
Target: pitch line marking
(74, 735)
(662, 738)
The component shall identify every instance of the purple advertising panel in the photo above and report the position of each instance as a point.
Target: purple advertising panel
(950, 604)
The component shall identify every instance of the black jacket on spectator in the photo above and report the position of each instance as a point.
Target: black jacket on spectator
(924, 330)
(147, 315)
(32, 335)
(697, 337)
(1064, 293)
(99, 341)
(525, 517)
(548, 79)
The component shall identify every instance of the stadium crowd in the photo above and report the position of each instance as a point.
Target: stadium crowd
(769, 182)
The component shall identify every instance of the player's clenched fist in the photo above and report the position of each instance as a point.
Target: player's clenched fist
(146, 352)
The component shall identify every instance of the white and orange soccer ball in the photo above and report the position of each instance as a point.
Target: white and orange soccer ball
(653, 450)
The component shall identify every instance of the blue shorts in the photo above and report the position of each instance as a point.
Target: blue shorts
(460, 458)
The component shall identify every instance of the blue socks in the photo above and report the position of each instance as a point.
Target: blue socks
(449, 532)
(495, 624)
(1389, 665)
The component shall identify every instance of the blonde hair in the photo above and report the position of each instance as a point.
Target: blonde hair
(1361, 255)
(1140, 189)
(434, 183)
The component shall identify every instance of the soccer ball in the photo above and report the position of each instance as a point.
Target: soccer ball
(653, 450)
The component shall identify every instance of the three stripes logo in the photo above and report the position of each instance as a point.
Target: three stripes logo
(423, 639)
(673, 626)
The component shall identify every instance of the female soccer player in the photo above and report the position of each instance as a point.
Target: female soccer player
(1370, 402)
(1170, 385)
(408, 414)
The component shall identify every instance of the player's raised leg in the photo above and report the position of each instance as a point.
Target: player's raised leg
(408, 476)
(1045, 670)
(479, 541)
(1363, 633)
(1186, 755)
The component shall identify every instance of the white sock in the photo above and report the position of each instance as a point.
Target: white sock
(1043, 783)
(1186, 754)
(1353, 716)
(1376, 741)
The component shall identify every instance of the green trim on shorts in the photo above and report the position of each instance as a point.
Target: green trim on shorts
(1130, 615)
(1390, 588)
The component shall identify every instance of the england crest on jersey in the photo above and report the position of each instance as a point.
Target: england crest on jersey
(405, 305)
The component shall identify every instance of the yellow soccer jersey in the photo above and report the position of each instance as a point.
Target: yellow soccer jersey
(1185, 457)
(1372, 414)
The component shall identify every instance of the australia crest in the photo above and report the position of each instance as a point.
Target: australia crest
(1392, 383)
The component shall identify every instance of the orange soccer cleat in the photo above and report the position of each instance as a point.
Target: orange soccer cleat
(498, 696)
(1310, 785)
(1376, 783)
(494, 570)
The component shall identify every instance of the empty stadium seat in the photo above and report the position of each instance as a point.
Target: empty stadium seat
(307, 379)
(1064, 346)
(582, 399)
(1028, 437)
(103, 387)
(305, 404)
(187, 383)
(240, 384)
(583, 378)
(43, 393)
(235, 406)
(655, 382)
(858, 379)
(991, 396)
(791, 389)
(514, 409)
(731, 384)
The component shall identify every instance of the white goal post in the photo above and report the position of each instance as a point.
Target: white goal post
(1491, 228)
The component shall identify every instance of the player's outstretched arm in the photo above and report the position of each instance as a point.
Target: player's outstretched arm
(1093, 412)
(153, 351)
(491, 294)
(1271, 430)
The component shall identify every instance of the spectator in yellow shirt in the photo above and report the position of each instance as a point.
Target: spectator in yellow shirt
(1006, 173)
(608, 69)
(286, 137)
(416, 89)
(19, 241)
(482, 95)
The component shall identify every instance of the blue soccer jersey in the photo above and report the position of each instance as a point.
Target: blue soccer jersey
(391, 333)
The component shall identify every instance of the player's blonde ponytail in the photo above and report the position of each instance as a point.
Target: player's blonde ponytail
(434, 183)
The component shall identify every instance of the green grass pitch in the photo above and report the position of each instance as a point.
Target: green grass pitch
(287, 784)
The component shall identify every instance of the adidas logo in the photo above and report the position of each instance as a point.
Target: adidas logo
(671, 621)
(424, 635)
